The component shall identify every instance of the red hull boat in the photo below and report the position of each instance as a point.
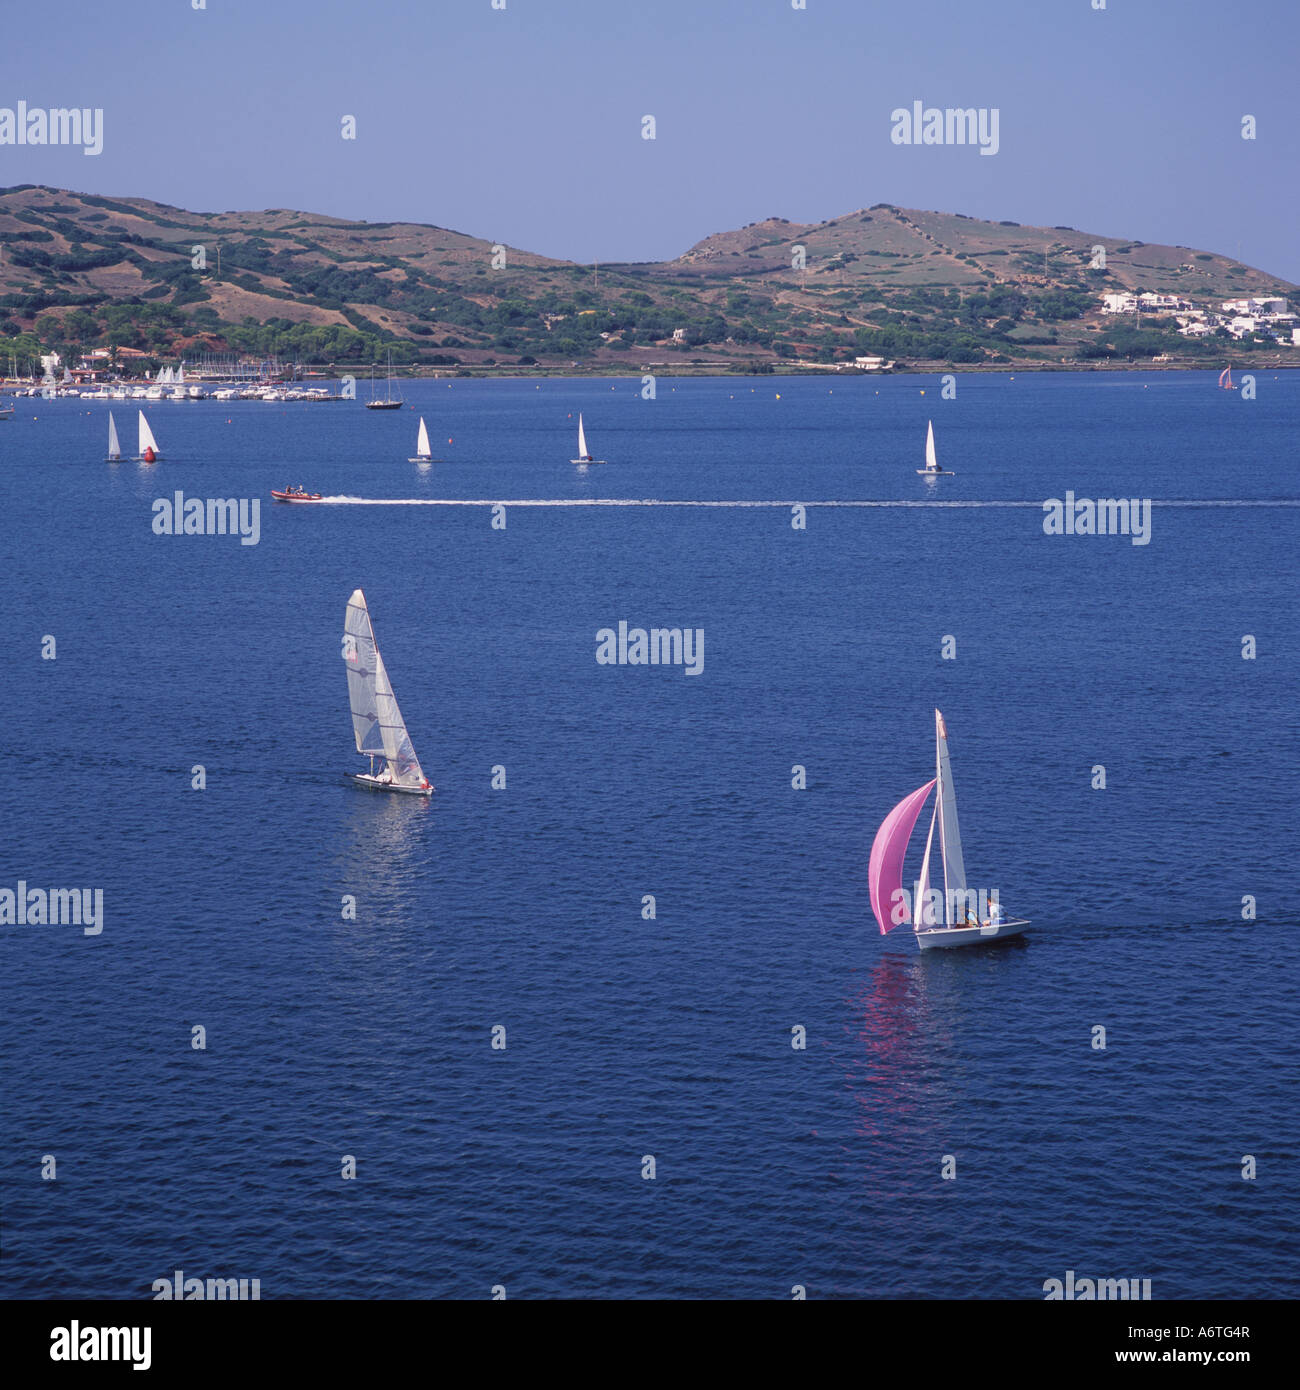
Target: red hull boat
(294, 494)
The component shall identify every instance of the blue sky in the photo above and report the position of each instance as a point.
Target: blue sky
(524, 125)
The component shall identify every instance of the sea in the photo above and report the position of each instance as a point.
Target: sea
(609, 1016)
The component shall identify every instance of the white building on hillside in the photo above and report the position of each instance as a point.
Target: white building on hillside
(1270, 304)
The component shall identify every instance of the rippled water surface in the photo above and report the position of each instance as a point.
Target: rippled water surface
(523, 907)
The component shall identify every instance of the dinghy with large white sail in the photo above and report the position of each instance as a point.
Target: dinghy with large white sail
(584, 454)
(149, 451)
(932, 469)
(423, 453)
(957, 917)
(114, 448)
(376, 720)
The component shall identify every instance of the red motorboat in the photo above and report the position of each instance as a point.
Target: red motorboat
(294, 494)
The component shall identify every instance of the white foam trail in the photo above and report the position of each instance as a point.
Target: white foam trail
(668, 502)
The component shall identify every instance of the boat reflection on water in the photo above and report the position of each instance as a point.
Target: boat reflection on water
(896, 1033)
(381, 858)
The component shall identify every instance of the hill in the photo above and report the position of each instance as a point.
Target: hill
(79, 271)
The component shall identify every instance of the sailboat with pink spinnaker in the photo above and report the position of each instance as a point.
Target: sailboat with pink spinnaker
(948, 919)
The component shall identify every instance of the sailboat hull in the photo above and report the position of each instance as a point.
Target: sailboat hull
(946, 937)
(383, 405)
(382, 784)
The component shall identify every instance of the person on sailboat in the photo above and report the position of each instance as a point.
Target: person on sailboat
(995, 913)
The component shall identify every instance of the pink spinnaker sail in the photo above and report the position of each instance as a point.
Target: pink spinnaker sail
(885, 874)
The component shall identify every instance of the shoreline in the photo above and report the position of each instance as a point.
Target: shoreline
(512, 372)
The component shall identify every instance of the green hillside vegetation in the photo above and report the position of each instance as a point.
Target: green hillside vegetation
(80, 272)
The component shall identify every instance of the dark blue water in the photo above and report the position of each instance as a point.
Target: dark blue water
(522, 907)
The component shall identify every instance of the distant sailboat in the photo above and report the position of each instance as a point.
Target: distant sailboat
(885, 874)
(388, 403)
(932, 469)
(149, 451)
(1225, 379)
(423, 453)
(584, 454)
(114, 448)
(376, 721)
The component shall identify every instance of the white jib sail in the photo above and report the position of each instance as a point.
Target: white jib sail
(147, 441)
(376, 720)
(931, 458)
(923, 884)
(582, 439)
(422, 449)
(954, 871)
(114, 448)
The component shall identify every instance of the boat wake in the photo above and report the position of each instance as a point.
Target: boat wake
(347, 501)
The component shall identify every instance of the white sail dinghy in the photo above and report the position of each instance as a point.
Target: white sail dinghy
(423, 453)
(584, 454)
(376, 721)
(114, 448)
(957, 922)
(149, 450)
(932, 469)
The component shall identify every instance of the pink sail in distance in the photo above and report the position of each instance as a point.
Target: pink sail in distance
(885, 874)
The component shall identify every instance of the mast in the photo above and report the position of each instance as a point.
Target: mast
(954, 871)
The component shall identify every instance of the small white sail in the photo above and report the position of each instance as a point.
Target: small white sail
(954, 870)
(931, 458)
(582, 439)
(147, 441)
(114, 448)
(180, 375)
(422, 442)
(923, 885)
(376, 720)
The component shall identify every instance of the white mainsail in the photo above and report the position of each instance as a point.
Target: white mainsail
(114, 448)
(582, 439)
(376, 720)
(931, 458)
(954, 871)
(422, 449)
(147, 441)
(180, 375)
